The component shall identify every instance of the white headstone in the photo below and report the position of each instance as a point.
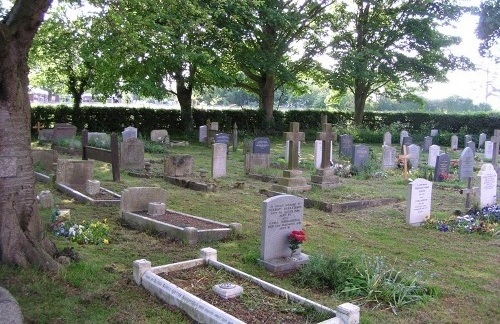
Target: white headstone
(482, 139)
(418, 201)
(402, 135)
(488, 150)
(129, 132)
(202, 134)
(466, 164)
(454, 142)
(318, 150)
(387, 138)
(414, 153)
(488, 185)
(433, 153)
(219, 156)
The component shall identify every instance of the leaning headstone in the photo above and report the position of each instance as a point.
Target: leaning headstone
(345, 145)
(427, 143)
(414, 155)
(454, 142)
(74, 173)
(482, 139)
(487, 185)
(62, 131)
(388, 157)
(418, 201)
(129, 132)
(433, 153)
(387, 138)
(466, 164)
(280, 216)
(402, 135)
(132, 154)
(442, 168)
(202, 134)
(360, 156)
(178, 165)
(467, 139)
(219, 156)
(159, 135)
(472, 146)
(488, 150)
(434, 132)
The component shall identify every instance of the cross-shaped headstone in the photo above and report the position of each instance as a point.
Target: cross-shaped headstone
(404, 157)
(326, 137)
(294, 137)
(496, 141)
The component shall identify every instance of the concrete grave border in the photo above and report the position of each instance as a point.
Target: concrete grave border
(84, 198)
(201, 311)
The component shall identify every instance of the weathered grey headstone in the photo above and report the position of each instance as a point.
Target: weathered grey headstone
(482, 139)
(178, 165)
(219, 158)
(434, 132)
(388, 157)
(202, 134)
(345, 145)
(223, 138)
(427, 143)
(488, 185)
(129, 132)
(280, 216)
(93, 187)
(360, 156)
(454, 142)
(74, 173)
(256, 160)
(472, 146)
(414, 153)
(407, 140)
(467, 139)
(62, 131)
(159, 135)
(433, 153)
(45, 135)
(402, 135)
(99, 139)
(387, 138)
(442, 168)
(418, 201)
(46, 199)
(466, 164)
(137, 199)
(261, 145)
(44, 159)
(132, 154)
(488, 150)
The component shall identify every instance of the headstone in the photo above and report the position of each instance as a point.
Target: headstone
(318, 153)
(99, 139)
(62, 131)
(360, 156)
(407, 140)
(488, 185)
(202, 134)
(178, 165)
(418, 201)
(466, 164)
(280, 216)
(129, 132)
(132, 154)
(482, 139)
(159, 135)
(467, 139)
(137, 199)
(256, 160)
(223, 138)
(287, 151)
(488, 150)
(324, 177)
(472, 146)
(434, 132)
(387, 138)
(74, 173)
(388, 157)
(454, 142)
(414, 155)
(442, 168)
(219, 156)
(433, 153)
(46, 199)
(402, 135)
(45, 135)
(345, 145)
(427, 143)
(261, 145)
(93, 187)
(44, 159)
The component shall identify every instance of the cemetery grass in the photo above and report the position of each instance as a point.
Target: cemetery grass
(99, 288)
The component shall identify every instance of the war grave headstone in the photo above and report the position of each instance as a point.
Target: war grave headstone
(454, 142)
(219, 159)
(442, 168)
(62, 131)
(259, 154)
(325, 177)
(360, 156)
(178, 165)
(402, 135)
(388, 157)
(202, 133)
(427, 143)
(482, 139)
(280, 216)
(487, 185)
(292, 179)
(434, 132)
(345, 146)
(488, 150)
(414, 155)
(132, 154)
(418, 201)
(466, 172)
(467, 139)
(99, 139)
(159, 136)
(129, 132)
(433, 153)
(387, 138)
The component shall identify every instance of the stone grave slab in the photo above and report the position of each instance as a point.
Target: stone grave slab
(63, 131)
(360, 156)
(178, 165)
(132, 154)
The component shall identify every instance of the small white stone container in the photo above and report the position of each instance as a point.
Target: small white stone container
(46, 199)
(227, 290)
(156, 208)
(93, 187)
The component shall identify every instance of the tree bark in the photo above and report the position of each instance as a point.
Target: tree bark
(184, 92)
(361, 92)
(22, 238)
(266, 87)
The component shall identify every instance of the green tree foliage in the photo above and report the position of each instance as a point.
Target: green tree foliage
(386, 46)
(488, 29)
(263, 39)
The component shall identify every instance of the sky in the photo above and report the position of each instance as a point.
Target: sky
(470, 84)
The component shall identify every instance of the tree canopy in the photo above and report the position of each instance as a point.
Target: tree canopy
(488, 29)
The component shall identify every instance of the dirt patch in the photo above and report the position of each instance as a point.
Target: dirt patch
(181, 220)
(254, 305)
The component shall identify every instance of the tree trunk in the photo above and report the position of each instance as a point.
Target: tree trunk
(22, 239)
(266, 87)
(76, 119)
(360, 95)
(184, 92)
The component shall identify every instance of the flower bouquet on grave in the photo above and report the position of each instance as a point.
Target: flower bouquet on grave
(295, 239)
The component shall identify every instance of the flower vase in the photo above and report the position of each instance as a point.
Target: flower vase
(295, 254)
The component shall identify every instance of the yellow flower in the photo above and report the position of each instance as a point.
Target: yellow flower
(105, 241)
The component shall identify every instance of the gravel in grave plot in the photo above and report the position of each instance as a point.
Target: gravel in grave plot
(181, 220)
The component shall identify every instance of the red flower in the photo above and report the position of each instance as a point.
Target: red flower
(298, 236)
